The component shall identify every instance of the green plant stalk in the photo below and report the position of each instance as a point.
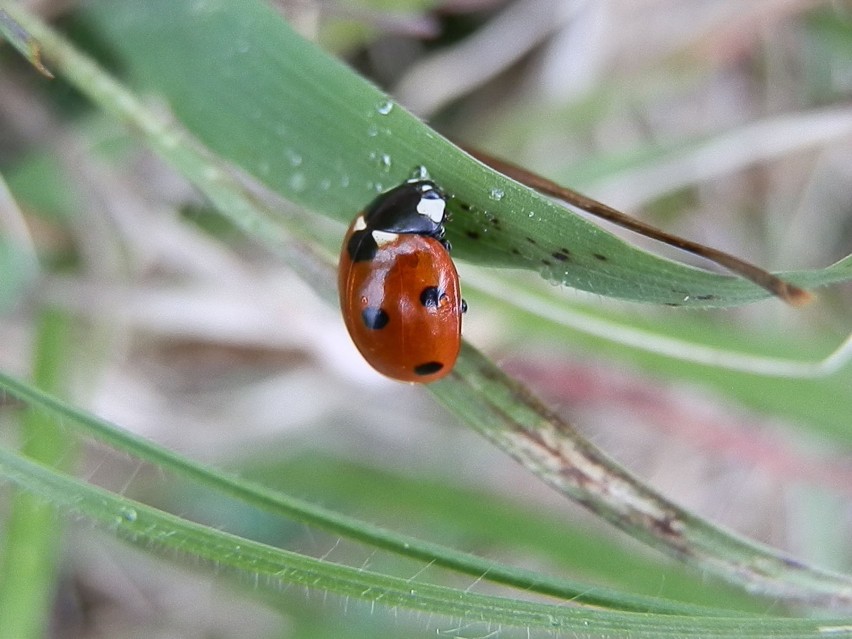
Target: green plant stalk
(271, 569)
(485, 397)
(336, 523)
(28, 562)
(12, 32)
(507, 414)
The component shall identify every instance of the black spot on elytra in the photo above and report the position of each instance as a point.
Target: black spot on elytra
(374, 318)
(361, 246)
(561, 255)
(600, 256)
(428, 368)
(430, 297)
(474, 235)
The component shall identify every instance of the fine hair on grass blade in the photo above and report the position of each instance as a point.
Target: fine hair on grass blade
(287, 506)
(272, 570)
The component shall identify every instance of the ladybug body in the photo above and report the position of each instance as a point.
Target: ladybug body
(399, 289)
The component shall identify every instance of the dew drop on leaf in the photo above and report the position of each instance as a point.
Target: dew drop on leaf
(298, 181)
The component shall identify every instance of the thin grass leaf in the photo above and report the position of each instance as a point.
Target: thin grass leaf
(18, 37)
(271, 569)
(285, 505)
(18, 262)
(315, 132)
(28, 555)
(506, 413)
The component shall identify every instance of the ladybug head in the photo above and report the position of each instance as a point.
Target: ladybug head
(416, 206)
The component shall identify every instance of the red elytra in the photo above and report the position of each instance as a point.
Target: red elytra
(399, 291)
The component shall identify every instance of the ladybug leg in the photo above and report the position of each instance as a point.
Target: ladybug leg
(463, 306)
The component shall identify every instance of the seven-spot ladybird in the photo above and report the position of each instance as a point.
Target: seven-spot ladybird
(399, 289)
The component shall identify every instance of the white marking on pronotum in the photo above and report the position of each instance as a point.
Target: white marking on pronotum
(432, 208)
(383, 237)
(360, 224)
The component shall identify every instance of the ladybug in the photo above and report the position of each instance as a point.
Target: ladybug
(399, 289)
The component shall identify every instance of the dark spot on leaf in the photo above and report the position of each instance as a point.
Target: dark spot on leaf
(515, 251)
(600, 256)
(474, 235)
(547, 262)
(709, 296)
(531, 240)
(562, 255)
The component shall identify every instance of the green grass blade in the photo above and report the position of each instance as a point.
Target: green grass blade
(18, 263)
(333, 522)
(507, 414)
(305, 125)
(28, 557)
(270, 569)
(18, 37)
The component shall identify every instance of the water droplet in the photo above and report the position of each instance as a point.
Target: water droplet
(384, 107)
(372, 130)
(263, 167)
(243, 47)
(298, 182)
(127, 514)
(344, 181)
(497, 194)
(325, 184)
(385, 162)
(420, 172)
(294, 158)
